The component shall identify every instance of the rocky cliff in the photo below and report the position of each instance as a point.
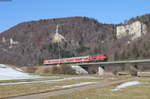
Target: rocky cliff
(135, 29)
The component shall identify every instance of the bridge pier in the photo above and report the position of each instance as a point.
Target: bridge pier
(134, 70)
(101, 70)
(94, 69)
(79, 69)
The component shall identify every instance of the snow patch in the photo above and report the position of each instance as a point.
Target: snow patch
(49, 81)
(76, 85)
(126, 84)
(74, 78)
(8, 73)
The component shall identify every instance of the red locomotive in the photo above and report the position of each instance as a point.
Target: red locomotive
(76, 60)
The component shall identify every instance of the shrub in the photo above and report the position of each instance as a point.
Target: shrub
(63, 69)
(66, 69)
(47, 70)
(56, 70)
(31, 69)
(132, 70)
(115, 72)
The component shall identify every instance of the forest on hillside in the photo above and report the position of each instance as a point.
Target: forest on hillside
(82, 36)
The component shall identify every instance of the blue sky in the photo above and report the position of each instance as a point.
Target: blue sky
(105, 11)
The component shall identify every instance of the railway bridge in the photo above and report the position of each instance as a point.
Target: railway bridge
(101, 67)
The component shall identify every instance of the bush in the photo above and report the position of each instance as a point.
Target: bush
(47, 70)
(31, 69)
(63, 69)
(56, 70)
(66, 69)
(115, 72)
(132, 70)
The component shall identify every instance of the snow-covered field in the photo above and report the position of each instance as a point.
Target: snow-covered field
(49, 81)
(8, 73)
(76, 85)
(126, 84)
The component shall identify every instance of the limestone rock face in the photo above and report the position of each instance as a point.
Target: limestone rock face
(100, 71)
(135, 29)
(58, 38)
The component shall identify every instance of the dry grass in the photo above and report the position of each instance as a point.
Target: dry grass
(24, 89)
(133, 92)
(37, 69)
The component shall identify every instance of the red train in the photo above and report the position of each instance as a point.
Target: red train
(81, 59)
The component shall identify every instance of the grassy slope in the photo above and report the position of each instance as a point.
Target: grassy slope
(24, 89)
(133, 92)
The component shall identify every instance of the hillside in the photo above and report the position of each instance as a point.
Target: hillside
(29, 43)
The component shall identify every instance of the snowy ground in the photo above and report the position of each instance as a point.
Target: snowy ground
(76, 85)
(49, 81)
(126, 84)
(8, 73)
